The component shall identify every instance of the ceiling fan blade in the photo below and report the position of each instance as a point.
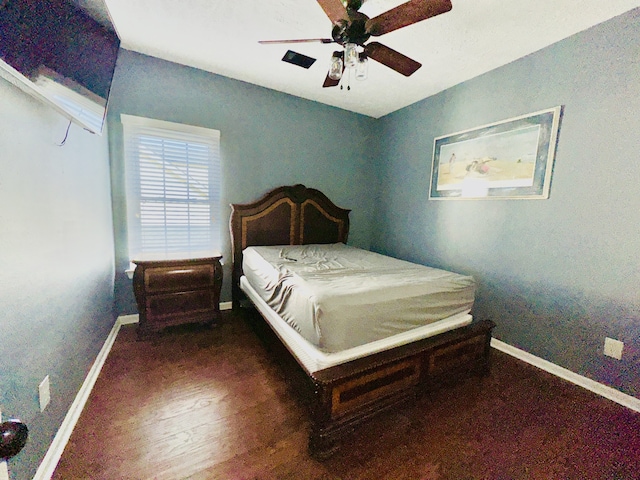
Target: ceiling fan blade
(408, 13)
(392, 59)
(334, 9)
(298, 40)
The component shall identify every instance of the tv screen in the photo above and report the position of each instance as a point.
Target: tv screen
(59, 53)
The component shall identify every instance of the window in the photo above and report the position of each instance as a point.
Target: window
(173, 189)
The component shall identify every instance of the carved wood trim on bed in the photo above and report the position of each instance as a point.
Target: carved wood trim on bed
(348, 394)
(289, 215)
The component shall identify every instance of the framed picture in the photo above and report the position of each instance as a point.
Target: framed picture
(508, 159)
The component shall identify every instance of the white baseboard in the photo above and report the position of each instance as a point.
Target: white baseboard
(134, 318)
(603, 390)
(128, 319)
(51, 459)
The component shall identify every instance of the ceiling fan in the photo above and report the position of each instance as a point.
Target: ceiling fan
(352, 29)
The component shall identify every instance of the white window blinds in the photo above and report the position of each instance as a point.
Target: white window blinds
(173, 189)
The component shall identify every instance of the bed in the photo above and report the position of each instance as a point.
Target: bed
(297, 234)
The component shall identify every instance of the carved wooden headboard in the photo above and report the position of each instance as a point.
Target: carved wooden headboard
(290, 215)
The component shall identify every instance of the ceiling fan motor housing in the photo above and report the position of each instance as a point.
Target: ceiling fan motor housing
(351, 31)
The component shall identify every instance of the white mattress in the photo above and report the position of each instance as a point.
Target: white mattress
(313, 360)
(338, 297)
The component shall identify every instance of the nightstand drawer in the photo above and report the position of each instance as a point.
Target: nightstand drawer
(173, 305)
(178, 278)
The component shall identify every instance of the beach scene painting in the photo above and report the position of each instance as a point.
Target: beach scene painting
(511, 159)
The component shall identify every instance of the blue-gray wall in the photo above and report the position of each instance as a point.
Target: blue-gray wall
(268, 139)
(56, 264)
(556, 275)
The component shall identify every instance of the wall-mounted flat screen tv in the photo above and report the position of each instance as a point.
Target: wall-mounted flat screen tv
(55, 51)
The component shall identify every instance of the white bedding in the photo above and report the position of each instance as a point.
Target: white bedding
(338, 297)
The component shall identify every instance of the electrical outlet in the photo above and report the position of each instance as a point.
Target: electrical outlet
(613, 348)
(45, 393)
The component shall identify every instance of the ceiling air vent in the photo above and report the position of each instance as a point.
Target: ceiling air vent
(298, 59)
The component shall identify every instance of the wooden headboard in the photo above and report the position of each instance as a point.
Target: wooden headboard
(289, 215)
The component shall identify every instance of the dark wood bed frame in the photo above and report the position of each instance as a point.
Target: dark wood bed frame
(346, 395)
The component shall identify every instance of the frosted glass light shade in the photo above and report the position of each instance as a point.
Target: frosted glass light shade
(335, 69)
(350, 55)
(362, 67)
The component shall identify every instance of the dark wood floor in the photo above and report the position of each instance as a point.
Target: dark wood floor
(214, 404)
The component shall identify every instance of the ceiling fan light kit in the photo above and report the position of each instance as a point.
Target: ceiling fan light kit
(352, 29)
(359, 64)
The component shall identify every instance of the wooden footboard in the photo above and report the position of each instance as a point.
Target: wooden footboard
(346, 395)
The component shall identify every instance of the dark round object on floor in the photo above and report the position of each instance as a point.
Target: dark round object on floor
(13, 436)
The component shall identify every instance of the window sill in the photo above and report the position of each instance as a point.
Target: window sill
(129, 271)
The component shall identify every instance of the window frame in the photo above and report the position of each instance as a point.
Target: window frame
(178, 202)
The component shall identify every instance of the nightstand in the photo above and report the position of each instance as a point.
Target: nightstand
(175, 292)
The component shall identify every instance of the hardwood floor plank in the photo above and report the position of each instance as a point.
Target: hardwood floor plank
(197, 403)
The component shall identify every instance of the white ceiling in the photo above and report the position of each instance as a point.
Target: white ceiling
(221, 36)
